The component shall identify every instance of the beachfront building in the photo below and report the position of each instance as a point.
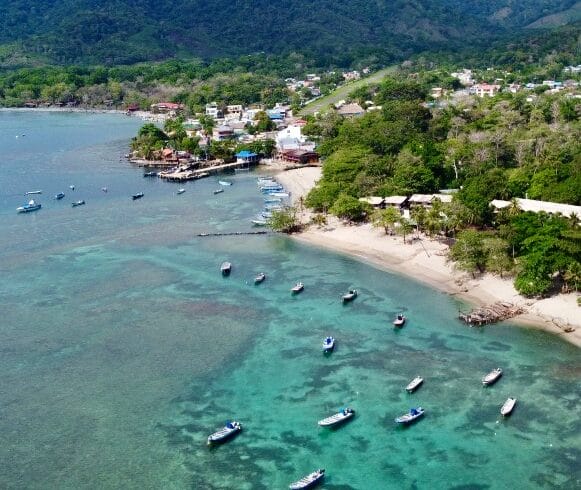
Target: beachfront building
(397, 202)
(376, 202)
(248, 157)
(567, 210)
(222, 132)
(166, 108)
(302, 157)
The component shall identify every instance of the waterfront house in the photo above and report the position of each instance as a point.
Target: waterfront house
(397, 202)
(567, 210)
(374, 201)
(303, 157)
(248, 157)
(222, 132)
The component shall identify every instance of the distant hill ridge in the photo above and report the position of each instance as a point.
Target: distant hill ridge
(128, 31)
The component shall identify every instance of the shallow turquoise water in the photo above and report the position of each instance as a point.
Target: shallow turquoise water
(122, 347)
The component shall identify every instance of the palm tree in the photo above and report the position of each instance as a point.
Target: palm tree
(405, 227)
(385, 218)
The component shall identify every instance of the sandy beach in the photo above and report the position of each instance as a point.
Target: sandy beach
(424, 259)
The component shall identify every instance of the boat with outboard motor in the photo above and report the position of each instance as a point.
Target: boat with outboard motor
(337, 418)
(414, 384)
(411, 416)
(180, 191)
(492, 377)
(81, 202)
(150, 174)
(297, 288)
(260, 278)
(328, 344)
(508, 407)
(230, 429)
(218, 191)
(308, 481)
(59, 196)
(260, 221)
(399, 320)
(224, 182)
(31, 206)
(139, 195)
(350, 296)
(30, 193)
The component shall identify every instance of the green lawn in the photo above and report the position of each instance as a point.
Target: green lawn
(343, 91)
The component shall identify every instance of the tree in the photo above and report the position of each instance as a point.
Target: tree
(350, 208)
(419, 215)
(468, 252)
(405, 227)
(497, 258)
(385, 218)
(285, 221)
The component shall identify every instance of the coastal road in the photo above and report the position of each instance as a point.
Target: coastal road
(344, 90)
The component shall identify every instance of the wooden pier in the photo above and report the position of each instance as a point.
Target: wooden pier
(493, 313)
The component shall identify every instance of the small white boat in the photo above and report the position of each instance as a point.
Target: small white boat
(328, 344)
(104, 189)
(59, 196)
(225, 433)
(308, 481)
(72, 187)
(31, 206)
(180, 191)
(224, 182)
(226, 268)
(399, 321)
(337, 418)
(278, 194)
(30, 193)
(218, 191)
(272, 200)
(259, 222)
(492, 377)
(78, 203)
(297, 288)
(350, 296)
(408, 418)
(414, 384)
(508, 407)
(260, 278)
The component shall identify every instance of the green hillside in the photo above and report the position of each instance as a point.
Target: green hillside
(334, 31)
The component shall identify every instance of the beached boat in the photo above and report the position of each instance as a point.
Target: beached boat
(508, 407)
(224, 182)
(328, 344)
(30, 193)
(350, 296)
(150, 174)
(78, 203)
(399, 321)
(31, 206)
(266, 214)
(279, 194)
(411, 416)
(492, 377)
(297, 288)
(225, 433)
(259, 222)
(139, 195)
(308, 481)
(260, 278)
(414, 384)
(59, 196)
(218, 191)
(337, 418)
(272, 200)
(180, 191)
(226, 268)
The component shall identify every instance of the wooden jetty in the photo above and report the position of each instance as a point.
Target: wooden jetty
(493, 313)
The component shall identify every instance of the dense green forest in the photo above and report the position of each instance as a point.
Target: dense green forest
(512, 145)
(340, 32)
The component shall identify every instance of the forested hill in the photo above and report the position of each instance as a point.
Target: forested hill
(127, 31)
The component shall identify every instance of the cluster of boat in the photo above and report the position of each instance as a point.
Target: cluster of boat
(274, 195)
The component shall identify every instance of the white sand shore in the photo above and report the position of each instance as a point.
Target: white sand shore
(425, 260)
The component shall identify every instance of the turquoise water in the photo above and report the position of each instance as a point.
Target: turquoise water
(122, 347)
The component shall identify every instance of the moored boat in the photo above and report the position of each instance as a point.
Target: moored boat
(150, 174)
(328, 344)
(139, 195)
(29, 193)
(411, 416)
(78, 203)
(225, 433)
(297, 288)
(414, 384)
(508, 407)
(399, 320)
(308, 481)
(337, 418)
(218, 191)
(259, 221)
(180, 191)
(260, 278)
(278, 194)
(272, 200)
(59, 196)
(350, 296)
(224, 182)
(226, 268)
(492, 377)
(31, 206)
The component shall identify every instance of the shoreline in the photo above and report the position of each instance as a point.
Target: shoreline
(424, 260)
